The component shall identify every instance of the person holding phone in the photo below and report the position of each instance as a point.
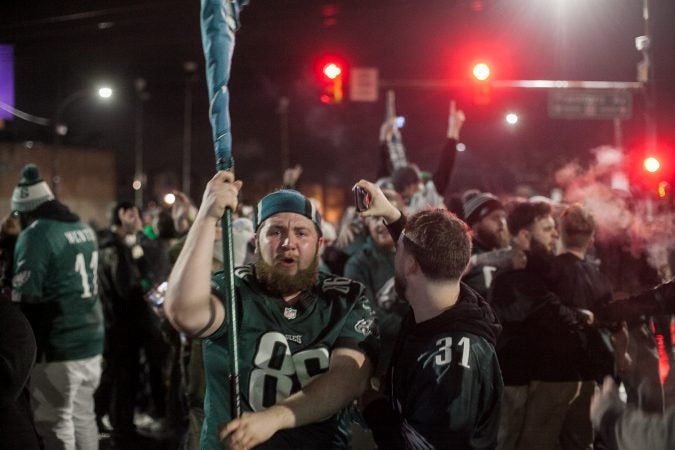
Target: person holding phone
(443, 387)
(373, 265)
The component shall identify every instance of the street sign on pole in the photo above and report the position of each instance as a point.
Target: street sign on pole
(363, 84)
(590, 104)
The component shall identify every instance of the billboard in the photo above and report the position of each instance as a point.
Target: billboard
(6, 79)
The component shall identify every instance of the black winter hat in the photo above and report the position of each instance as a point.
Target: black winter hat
(478, 205)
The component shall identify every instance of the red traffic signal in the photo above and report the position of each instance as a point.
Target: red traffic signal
(651, 164)
(482, 89)
(481, 71)
(653, 172)
(332, 83)
(332, 70)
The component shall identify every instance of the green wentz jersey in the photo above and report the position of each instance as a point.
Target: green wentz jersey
(55, 266)
(281, 349)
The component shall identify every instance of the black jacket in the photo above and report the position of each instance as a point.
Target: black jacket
(445, 381)
(124, 279)
(580, 284)
(17, 354)
(535, 323)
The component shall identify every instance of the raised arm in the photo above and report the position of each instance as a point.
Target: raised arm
(379, 205)
(189, 304)
(388, 135)
(656, 301)
(446, 163)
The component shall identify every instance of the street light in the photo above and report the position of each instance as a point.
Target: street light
(105, 92)
(61, 127)
(511, 118)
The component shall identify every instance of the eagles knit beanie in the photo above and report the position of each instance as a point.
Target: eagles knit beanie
(31, 192)
(287, 200)
(478, 205)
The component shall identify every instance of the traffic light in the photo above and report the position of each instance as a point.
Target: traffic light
(481, 72)
(482, 89)
(651, 164)
(656, 175)
(332, 76)
(663, 189)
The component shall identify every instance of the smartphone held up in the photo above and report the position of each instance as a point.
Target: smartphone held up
(362, 199)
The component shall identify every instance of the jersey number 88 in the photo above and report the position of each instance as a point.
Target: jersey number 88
(271, 380)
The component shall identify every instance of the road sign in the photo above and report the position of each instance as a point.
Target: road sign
(590, 104)
(363, 84)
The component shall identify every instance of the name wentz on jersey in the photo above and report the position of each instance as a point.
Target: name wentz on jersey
(79, 236)
(282, 348)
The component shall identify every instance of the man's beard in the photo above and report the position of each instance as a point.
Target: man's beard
(490, 240)
(539, 249)
(280, 283)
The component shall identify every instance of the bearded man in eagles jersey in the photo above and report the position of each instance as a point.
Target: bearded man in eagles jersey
(306, 340)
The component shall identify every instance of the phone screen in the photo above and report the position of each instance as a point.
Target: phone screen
(361, 199)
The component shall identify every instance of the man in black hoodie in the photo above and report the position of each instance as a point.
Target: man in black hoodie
(444, 384)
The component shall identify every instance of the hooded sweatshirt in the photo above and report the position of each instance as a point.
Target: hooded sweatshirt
(444, 381)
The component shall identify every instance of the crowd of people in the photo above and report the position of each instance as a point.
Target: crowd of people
(480, 321)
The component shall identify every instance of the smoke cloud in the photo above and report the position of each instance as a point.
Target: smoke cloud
(637, 223)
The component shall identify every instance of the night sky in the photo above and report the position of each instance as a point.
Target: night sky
(64, 46)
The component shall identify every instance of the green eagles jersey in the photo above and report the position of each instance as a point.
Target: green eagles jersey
(374, 267)
(55, 266)
(281, 349)
(371, 265)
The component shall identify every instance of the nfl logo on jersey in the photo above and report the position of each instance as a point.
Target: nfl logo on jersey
(290, 313)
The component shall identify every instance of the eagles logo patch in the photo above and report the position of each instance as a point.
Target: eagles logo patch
(20, 278)
(364, 326)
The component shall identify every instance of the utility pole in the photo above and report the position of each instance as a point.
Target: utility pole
(139, 177)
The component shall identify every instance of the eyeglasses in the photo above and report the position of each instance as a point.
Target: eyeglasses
(414, 245)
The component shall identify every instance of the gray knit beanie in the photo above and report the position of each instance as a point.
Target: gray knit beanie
(478, 205)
